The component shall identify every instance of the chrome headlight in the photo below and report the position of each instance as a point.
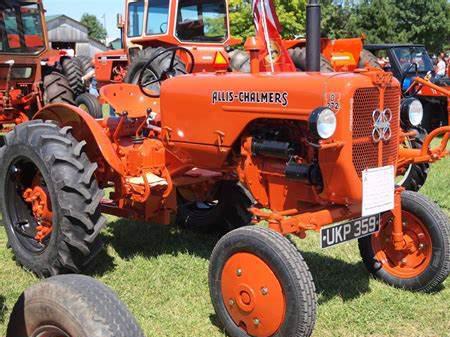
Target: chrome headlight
(412, 111)
(323, 123)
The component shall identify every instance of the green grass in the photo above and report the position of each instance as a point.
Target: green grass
(161, 274)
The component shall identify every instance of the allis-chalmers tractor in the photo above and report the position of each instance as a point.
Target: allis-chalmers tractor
(304, 151)
(31, 74)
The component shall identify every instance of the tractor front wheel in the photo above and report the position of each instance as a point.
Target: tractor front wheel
(425, 262)
(260, 285)
(71, 306)
(90, 104)
(49, 199)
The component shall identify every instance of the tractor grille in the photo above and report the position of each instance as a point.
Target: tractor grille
(365, 150)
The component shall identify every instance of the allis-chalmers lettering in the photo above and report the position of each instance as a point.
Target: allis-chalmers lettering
(251, 97)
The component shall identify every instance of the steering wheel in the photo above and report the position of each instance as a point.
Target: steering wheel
(161, 28)
(166, 73)
(405, 75)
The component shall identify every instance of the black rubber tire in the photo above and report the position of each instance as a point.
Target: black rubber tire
(74, 193)
(287, 264)
(85, 63)
(366, 58)
(72, 70)
(158, 66)
(439, 229)
(298, 56)
(416, 174)
(240, 61)
(57, 89)
(78, 305)
(91, 103)
(230, 213)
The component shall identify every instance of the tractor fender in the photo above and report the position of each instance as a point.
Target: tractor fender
(84, 128)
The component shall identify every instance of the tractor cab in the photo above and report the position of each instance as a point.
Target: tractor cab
(405, 61)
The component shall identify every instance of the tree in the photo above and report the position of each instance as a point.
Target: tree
(95, 28)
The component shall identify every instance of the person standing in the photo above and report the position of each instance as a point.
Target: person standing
(441, 67)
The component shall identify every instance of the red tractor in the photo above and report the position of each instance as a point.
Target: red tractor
(304, 151)
(31, 74)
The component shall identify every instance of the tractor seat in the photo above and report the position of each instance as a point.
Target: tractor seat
(129, 98)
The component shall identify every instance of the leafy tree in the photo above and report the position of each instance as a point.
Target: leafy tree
(95, 28)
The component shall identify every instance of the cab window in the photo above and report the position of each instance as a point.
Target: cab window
(158, 17)
(21, 29)
(202, 21)
(135, 18)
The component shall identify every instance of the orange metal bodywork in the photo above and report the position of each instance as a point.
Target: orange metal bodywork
(23, 97)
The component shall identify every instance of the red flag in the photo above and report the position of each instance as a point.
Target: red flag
(275, 57)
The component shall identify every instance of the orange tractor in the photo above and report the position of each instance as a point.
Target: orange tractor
(304, 151)
(31, 74)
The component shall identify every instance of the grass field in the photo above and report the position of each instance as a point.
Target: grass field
(161, 274)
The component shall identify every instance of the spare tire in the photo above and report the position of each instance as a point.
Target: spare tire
(72, 70)
(368, 59)
(57, 89)
(158, 66)
(71, 306)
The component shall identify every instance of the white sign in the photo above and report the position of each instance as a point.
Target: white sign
(378, 190)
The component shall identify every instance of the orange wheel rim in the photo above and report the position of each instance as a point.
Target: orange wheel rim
(415, 258)
(39, 200)
(253, 295)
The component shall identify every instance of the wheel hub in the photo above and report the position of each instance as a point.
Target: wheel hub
(253, 295)
(415, 258)
(39, 200)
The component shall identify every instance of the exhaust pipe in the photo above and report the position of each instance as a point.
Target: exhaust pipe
(313, 22)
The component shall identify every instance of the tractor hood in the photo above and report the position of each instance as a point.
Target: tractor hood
(199, 107)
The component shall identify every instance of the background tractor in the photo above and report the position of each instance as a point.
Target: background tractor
(31, 74)
(303, 151)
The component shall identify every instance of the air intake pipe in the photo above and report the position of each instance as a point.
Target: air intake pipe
(313, 23)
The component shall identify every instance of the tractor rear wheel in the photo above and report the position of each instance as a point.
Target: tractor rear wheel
(90, 104)
(415, 175)
(158, 66)
(240, 61)
(57, 89)
(71, 306)
(228, 211)
(298, 56)
(425, 263)
(72, 70)
(85, 63)
(49, 199)
(260, 285)
(368, 59)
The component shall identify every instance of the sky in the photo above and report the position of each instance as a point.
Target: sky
(76, 8)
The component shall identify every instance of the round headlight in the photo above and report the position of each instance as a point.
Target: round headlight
(412, 111)
(323, 123)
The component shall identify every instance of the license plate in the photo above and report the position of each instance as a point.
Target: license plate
(352, 230)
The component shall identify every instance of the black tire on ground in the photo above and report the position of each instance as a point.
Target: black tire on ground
(438, 228)
(289, 268)
(158, 66)
(228, 212)
(416, 174)
(240, 61)
(368, 59)
(71, 306)
(85, 63)
(72, 70)
(298, 56)
(90, 104)
(57, 89)
(43, 150)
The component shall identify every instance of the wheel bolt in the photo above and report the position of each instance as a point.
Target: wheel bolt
(231, 302)
(403, 262)
(421, 246)
(264, 291)
(239, 272)
(256, 321)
